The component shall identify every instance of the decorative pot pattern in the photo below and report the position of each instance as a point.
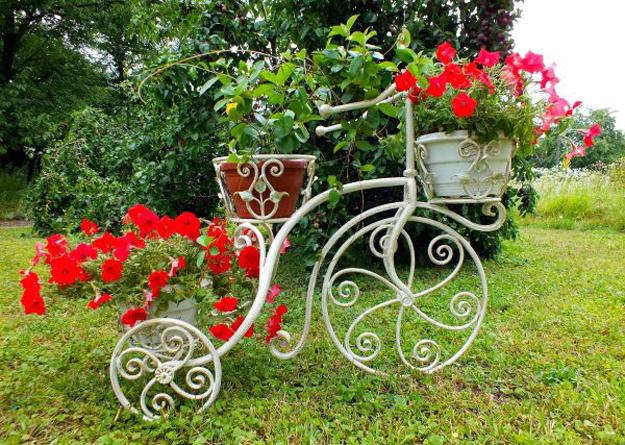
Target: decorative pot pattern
(266, 188)
(454, 166)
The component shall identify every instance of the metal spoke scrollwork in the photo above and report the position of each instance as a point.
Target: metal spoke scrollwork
(363, 346)
(170, 358)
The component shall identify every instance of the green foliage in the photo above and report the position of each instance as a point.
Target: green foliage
(562, 386)
(84, 176)
(180, 122)
(13, 183)
(57, 56)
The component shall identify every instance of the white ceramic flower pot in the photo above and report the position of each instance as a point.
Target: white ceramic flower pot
(186, 311)
(454, 166)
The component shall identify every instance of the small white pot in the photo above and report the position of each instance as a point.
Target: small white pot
(454, 166)
(186, 311)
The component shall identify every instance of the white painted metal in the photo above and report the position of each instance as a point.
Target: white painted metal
(385, 226)
(454, 166)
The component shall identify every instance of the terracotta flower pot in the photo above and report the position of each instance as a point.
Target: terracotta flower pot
(268, 188)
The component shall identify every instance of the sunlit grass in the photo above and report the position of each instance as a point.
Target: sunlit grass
(547, 366)
(585, 201)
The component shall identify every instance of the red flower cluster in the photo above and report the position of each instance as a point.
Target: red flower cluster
(111, 252)
(517, 72)
(457, 76)
(223, 332)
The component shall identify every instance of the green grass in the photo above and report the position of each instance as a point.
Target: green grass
(13, 184)
(579, 203)
(548, 366)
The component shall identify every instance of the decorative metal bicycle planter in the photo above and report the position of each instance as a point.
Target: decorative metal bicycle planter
(182, 352)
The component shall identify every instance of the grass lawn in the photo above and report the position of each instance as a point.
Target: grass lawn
(547, 367)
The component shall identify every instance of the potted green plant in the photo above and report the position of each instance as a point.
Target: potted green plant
(473, 116)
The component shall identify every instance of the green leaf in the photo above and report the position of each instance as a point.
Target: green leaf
(388, 66)
(220, 104)
(365, 146)
(200, 258)
(333, 198)
(404, 38)
(351, 21)
(264, 89)
(388, 109)
(214, 251)
(209, 83)
(367, 168)
(202, 240)
(406, 55)
(340, 146)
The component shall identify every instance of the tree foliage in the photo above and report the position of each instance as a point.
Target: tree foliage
(189, 49)
(608, 147)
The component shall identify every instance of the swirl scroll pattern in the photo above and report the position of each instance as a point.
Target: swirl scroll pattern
(363, 343)
(171, 359)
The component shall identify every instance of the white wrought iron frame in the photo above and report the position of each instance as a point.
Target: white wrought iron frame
(173, 348)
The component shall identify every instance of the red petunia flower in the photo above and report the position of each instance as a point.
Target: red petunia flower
(219, 264)
(83, 253)
(445, 52)
(238, 322)
(133, 315)
(31, 298)
(39, 253)
(56, 246)
(89, 227)
(98, 301)
(166, 227)
(221, 331)
(416, 94)
(594, 131)
(134, 240)
(405, 81)
(121, 248)
(455, 76)
(112, 270)
(249, 257)
(157, 280)
(548, 76)
(286, 244)
(145, 219)
(226, 304)
(217, 232)
(104, 243)
(488, 58)
(274, 324)
(463, 105)
(176, 265)
(532, 63)
(437, 85)
(187, 224)
(576, 151)
(65, 271)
